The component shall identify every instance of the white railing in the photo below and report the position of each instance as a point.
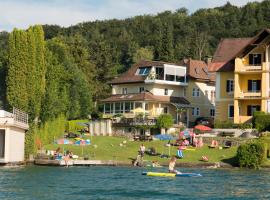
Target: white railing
(20, 116)
(250, 94)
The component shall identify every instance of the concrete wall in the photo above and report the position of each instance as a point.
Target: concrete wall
(14, 145)
(101, 127)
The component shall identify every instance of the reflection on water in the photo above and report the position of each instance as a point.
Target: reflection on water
(128, 183)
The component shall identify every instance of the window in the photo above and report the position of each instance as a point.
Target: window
(159, 73)
(252, 108)
(146, 106)
(255, 59)
(195, 92)
(165, 110)
(141, 89)
(229, 86)
(170, 77)
(138, 105)
(117, 108)
(166, 91)
(231, 111)
(254, 85)
(196, 111)
(185, 92)
(144, 71)
(2, 143)
(128, 106)
(124, 90)
(212, 112)
(107, 108)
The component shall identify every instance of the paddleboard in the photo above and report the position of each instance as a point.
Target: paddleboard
(162, 174)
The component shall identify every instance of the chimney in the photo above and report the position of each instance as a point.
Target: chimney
(208, 60)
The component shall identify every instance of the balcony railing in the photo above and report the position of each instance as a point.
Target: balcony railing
(134, 122)
(255, 94)
(160, 78)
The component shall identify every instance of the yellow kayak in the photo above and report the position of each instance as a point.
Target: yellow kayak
(163, 174)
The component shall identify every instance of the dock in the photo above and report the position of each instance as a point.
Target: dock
(47, 162)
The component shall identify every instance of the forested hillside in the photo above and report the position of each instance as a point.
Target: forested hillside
(79, 60)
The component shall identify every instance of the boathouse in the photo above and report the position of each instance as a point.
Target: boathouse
(12, 136)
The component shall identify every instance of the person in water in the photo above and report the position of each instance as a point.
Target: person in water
(172, 166)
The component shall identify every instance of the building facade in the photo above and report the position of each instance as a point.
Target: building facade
(12, 136)
(200, 91)
(150, 88)
(242, 77)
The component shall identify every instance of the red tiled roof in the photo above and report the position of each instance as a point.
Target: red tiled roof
(131, 77)
(228, 49)
(145, 96)
(198, 69)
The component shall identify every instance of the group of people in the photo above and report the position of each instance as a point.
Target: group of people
(139, 161)
(66, 156)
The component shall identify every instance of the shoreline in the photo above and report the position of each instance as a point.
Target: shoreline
(43, 162)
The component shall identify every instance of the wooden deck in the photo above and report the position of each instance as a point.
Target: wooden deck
(75, 162)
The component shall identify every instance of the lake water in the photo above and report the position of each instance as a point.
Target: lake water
(128, 183)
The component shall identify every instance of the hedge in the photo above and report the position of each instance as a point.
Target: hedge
(73, 126)
(261, 121)
(251, 154)
(229, 124)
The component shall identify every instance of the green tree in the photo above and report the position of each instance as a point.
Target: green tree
(164, 121)
(143, 54)
(17, 95)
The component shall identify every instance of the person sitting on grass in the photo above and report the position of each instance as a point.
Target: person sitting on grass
(205, 158)
(172, 166)
(214, 144)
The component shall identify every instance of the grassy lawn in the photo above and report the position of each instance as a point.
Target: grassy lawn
(108, 148)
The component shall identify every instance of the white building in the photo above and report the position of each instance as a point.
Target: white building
(12, 136)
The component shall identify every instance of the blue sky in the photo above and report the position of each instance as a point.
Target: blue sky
(23, 13)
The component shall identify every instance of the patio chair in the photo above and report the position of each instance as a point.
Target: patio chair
(228, 144)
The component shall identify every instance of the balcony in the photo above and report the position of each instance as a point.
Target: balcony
(17, 119)
(250, 95)
(161, 79)
(126, 122)
(241, 67)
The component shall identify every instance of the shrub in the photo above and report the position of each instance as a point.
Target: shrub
(164, 121)
(73, 126)
(261, 121)
(229, 124)
(251, 154)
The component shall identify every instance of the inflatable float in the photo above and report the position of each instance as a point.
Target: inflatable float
(163, 174)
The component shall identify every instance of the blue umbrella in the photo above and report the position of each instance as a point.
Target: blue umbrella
(165, 137)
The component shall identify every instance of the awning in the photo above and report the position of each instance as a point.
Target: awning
(180, 105)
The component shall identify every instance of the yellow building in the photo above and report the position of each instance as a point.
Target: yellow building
(242, 77)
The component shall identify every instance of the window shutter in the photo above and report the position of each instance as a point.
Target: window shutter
(249, 85)
(228, 86)
(258, 85)
(250, 59)
(231, 111)
(249, 110)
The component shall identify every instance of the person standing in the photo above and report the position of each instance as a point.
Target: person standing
(142, 150)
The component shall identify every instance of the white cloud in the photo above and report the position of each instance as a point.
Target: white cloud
(21, 14)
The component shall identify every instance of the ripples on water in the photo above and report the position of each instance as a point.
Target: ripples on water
(59, 183)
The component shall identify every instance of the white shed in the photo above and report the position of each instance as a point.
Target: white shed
(12, 136)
